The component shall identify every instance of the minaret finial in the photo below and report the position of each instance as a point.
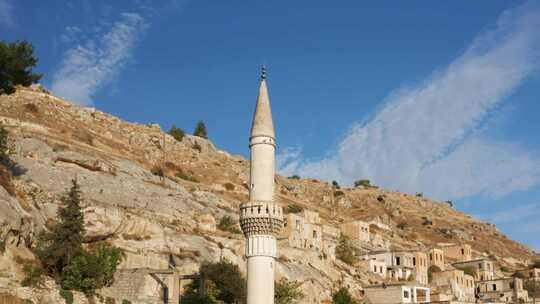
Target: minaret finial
(263, 72)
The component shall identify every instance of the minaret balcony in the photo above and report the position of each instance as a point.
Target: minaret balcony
(261, 218)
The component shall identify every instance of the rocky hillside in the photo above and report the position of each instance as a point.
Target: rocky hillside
(158, 198)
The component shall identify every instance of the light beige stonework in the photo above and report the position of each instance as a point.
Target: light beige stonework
(261, 218)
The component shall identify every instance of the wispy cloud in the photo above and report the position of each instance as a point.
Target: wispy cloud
(428, 138)
(6, 13)
(89, 66)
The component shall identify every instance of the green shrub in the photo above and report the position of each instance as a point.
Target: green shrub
(33, 276)
(287, 292)
(362, 182)
(16, 62)
(294, 177)
(505, 269)
(227, 223)
(294, 208)
(2, 246)
(224, 282)
(92, 270)
(109, 300)
(342, 296)
(345, 250)
(124, 301)
(177, 133)
(470, 271)
(335, 184)
(186, 176)
(67, 295)
(200, 130)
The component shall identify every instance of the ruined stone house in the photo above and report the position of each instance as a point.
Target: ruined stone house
(483, 268)
(457, 252)
(397, 293)
(455, 283)
(504, 290)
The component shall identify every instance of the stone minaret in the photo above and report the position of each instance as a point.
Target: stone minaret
(261, 218)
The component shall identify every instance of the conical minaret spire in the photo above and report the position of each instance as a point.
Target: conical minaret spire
(262, 119)
(261, 218)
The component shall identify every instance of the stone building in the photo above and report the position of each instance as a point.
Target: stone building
(357, 231)
(455, 283)
(330, 239)
(399, 265)
(505, 290)
(304, 230)
(457, 252)
(436, 259)
(483, 268)
(374, 266)
(420, 264)
(530, 274)
(397, 293)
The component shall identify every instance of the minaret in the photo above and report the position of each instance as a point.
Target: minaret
(261, 218)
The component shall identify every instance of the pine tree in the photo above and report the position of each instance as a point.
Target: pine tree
(200, 130)
(64, 241)
(16, 62)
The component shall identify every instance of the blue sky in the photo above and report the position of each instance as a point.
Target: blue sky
(418, 96)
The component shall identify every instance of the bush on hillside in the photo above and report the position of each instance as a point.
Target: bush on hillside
(287, 292)
(16, 63)
(294, 208)
(34, 276)
(177, 133)
(294, 177)
(335, 184)
(342, 296)
(345, 251)
(470, 271)
(227, 223)
(91, 270)
(362, 182)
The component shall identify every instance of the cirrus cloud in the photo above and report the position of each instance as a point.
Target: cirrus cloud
(428, 138)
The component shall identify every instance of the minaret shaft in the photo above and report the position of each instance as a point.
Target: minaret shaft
(261, 218)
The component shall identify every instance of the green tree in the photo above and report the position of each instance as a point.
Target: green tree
(177, 133)
(227, 223)
(342, 296)
(91, 270)
(335, 184)
(345, 250)
(16, 62)
(56, 248)
(362, 182)
(287, 292)
(224, 282)
(200, 130)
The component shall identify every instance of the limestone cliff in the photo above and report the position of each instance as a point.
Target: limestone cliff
(159, 199)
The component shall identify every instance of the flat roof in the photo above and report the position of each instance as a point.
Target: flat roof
(475, 260)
